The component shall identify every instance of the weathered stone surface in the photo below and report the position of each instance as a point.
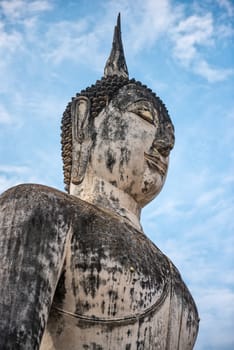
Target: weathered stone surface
(116, 64)
(34, 225)
(116, 287)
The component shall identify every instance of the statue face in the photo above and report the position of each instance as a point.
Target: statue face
(132, 145)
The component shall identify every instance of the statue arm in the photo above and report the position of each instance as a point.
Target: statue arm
(34, 230)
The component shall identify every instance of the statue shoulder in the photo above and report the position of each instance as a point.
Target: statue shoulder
(29, 191)
(31, 197)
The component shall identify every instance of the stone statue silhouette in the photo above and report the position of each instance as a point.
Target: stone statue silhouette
(77, 271)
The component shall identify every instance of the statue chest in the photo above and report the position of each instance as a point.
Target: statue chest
(115, 293)
(111, 280)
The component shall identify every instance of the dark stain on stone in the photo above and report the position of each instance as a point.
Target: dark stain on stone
(145, 188)
(103, 306)
(125, 155)
(140, 344)
(96, 346)
(60, 290)
(114, 199)
(114, 126)
(129, 189)
(121, 128)
(82, 307)
(110, 158)
(114, 310)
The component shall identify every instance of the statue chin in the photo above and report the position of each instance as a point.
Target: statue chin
(149, 189)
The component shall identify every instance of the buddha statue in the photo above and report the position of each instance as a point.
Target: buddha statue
(78, 272)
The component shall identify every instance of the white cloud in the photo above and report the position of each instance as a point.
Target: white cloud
(15, 169)
(194, 34)
(191, 35)
(5, 117)
(39, 6)
(41, 105)
(224, 31)
(153, 19)
(9, 41)
(228, 179)
(12, 175)
(18, 9)
(70, 41)
(73, 40)
(191, 32)
(212, 74)
(228, 6)
(18, 23)
(217, 319)
(170, 207)
(6, 183)
(206, 198)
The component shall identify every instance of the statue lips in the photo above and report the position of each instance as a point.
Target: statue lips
(154, 161)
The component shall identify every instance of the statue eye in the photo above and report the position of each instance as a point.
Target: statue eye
(144, 110)
(146, 114)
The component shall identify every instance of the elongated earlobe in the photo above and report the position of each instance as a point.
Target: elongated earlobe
(81, 139)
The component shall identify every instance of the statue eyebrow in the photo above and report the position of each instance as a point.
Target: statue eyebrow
(138, 101)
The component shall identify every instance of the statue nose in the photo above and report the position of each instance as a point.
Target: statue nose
(164, 142)
(163, 148)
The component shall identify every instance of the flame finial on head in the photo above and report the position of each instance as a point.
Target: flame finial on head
(116, 64)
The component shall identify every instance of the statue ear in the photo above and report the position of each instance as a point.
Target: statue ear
(81, 139)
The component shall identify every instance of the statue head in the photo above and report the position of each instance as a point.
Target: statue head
(118, 131)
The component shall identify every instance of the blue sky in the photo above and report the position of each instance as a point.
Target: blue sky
(183, 50)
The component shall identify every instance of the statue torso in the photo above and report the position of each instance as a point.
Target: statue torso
(117, 288)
